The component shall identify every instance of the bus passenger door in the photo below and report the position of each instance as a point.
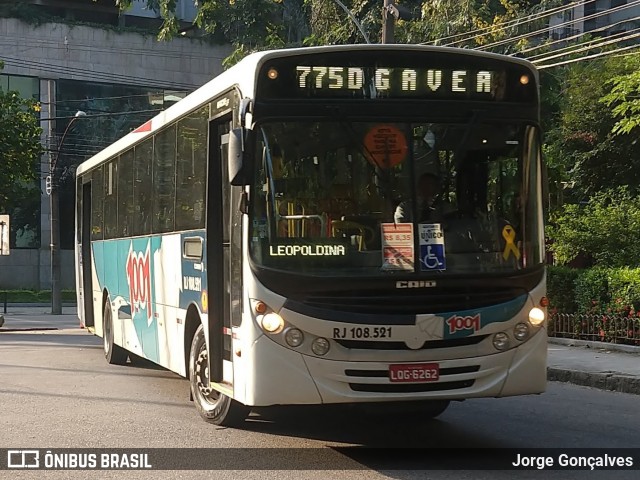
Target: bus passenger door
(85, 254)
(222, 284)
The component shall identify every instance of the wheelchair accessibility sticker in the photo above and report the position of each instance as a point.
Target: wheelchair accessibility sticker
(432, 256)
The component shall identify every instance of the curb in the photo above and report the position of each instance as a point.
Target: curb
(602, 381)
(27, 329)
(614, 347)
(39, 304)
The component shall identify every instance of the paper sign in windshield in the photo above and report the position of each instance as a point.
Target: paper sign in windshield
(432, 247)
(386, 146)
(397, 246)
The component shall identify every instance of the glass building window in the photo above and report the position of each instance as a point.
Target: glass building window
(25, 210)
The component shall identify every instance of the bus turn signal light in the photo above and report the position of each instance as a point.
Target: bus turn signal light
(260, 308)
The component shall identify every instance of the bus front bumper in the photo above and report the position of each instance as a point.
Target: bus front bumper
(283, 376)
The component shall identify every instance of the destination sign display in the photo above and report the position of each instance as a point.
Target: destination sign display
(390, 75)
(387, 81)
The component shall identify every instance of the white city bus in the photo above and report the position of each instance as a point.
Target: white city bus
(248, 237)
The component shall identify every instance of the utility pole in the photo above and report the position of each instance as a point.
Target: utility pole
(390, 13)
(388, 23)
(52, 186)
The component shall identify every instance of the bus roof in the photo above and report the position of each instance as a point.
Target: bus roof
(243, 76)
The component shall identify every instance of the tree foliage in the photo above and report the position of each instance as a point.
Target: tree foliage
(20, 151)
(600, 231)
(624, 96)
(581, 149)
(251, 25)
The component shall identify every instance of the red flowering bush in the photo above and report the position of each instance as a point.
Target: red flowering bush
(606, 307)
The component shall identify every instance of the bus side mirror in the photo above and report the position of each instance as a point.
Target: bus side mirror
(239, 161)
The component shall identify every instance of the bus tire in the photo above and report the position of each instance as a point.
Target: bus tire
(214, 407)
(115, 354)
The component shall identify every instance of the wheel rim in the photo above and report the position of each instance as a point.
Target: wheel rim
(106, 334)
(201, 372)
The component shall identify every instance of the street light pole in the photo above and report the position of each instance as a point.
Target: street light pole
(388, 22)
(56, 304)
(390, 13)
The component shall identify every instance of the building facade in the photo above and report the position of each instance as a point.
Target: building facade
(599, 18)
(87, 59)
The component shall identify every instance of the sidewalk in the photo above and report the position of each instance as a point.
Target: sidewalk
(37, 317)
(593, 364)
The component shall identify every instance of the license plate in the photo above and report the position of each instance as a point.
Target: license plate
(414, 372)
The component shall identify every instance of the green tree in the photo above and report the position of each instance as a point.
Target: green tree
(259, 24)
(248, 25)
(624, 96)
(489, 24)
(20, 152)
(581, 148)
(601, 231)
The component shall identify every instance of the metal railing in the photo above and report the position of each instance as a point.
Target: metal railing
(613, 328)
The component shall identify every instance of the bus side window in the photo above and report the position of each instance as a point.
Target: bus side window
(164, 178)
(142, 188)
(125, 194)
(111, 199)
(191, 170)
(96, 204)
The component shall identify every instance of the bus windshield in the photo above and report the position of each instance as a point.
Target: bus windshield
(369, 199)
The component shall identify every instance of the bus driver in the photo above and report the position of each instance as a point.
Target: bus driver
(428, 188)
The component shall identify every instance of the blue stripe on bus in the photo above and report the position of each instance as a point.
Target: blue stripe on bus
(126, 269)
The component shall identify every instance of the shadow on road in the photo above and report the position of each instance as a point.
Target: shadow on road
(394, 428)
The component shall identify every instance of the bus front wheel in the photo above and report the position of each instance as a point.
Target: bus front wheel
(213, 406)
(115, 354)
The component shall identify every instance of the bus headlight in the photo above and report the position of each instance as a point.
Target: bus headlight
(536, 316)
(272, 323)
(521, 331)
(320, 346)
(294, 337)
(501, 341)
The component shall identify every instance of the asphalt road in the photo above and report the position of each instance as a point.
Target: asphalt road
(57, 391)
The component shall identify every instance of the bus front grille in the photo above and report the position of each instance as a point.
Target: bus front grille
(430, 344)
(409, 302)
(410, 387)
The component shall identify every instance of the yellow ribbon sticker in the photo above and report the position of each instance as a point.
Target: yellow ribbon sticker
(509, 235)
